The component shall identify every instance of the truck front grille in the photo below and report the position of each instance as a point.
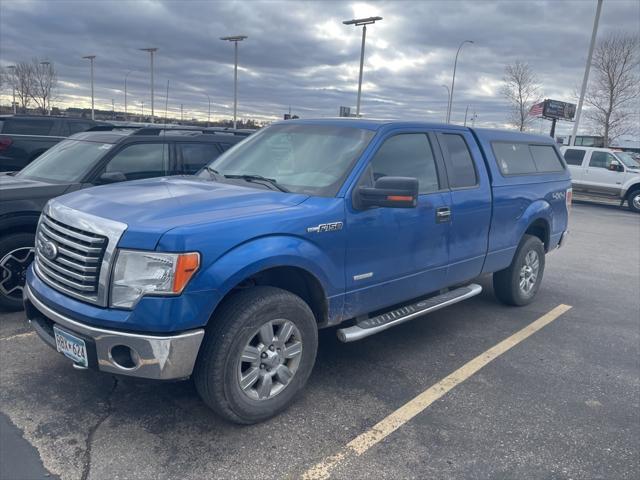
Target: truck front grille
(68, 258)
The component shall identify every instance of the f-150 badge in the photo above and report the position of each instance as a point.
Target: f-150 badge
(325, 227)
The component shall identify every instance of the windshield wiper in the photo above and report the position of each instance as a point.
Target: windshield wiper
(258, 178)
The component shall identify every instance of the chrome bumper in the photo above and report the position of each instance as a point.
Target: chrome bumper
(156, 357)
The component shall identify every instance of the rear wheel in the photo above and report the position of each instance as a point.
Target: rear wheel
(633, 199)
(519, 283)
(257, 354)
(16, 253)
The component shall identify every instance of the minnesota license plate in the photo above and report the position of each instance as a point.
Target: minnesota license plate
(71, 346)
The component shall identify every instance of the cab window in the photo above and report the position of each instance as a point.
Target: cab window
(601, 159)
(142, 160)
(406, 155)
(574, 156)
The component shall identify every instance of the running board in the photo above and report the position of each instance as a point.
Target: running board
(371, 326)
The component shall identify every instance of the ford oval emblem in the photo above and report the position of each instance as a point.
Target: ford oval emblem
(48, 249)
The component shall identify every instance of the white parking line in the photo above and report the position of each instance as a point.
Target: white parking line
(11, 337)
(402, 415)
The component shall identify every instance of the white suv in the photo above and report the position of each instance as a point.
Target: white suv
(604, 172)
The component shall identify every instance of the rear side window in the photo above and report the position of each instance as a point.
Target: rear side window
(27, 126)
(407, 155)
(525, 159)
(197, 155)
(573, 156)
(460, 167)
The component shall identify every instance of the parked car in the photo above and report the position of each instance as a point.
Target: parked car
(86, 159)
(605, 173)
(24, 137)
(228, 275)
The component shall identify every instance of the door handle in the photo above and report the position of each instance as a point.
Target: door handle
(443, 214)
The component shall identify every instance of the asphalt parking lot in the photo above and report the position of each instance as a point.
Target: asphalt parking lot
(563, 402)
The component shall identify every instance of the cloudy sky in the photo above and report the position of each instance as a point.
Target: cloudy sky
(299, 53)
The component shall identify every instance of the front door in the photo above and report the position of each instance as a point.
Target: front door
(396, 254)
(598, 178)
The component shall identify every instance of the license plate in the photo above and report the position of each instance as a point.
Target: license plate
(71, 346)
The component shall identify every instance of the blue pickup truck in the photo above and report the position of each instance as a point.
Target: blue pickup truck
(227, 275)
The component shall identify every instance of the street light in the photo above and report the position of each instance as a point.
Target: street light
(453, 80)
(364, 22)
(151, 52)
(126, 117)
(13, 84)
(446, 113)
(209, 114)
(235, 39)
(91, 58)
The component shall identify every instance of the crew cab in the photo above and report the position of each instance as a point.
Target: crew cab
(25, 137)
(105, 154)
(605, 173)
(349, 223)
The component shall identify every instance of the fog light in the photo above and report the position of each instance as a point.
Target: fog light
(124, 357)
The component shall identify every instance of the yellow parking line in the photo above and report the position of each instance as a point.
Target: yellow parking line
(11, 337)
(395, 420)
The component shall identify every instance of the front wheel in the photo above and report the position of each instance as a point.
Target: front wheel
(258, 353)
(633, 199)
(519, 283)
(16, 253)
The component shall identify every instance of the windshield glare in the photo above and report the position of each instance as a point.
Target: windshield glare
(627, 159)
(310, 159)
(67, 161)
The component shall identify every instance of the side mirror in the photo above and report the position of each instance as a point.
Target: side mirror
(615, 166)
(392, 192)
(112, 177)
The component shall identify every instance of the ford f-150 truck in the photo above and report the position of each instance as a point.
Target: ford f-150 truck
(227, 276)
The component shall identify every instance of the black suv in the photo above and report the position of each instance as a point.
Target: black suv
(106, 154)
(24, 137)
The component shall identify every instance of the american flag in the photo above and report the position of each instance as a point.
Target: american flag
(536, 110)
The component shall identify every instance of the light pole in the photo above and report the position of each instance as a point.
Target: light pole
(47, 107)
(151, 52)
(235, 39)
(453, 80)
(209, 114)
(585, 79)
(446, 113)
(13, 85)
(126, 117)
(364, 22)
(91, 58)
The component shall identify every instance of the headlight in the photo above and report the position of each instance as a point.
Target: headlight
(138, 273)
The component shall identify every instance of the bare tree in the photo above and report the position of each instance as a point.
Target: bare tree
(44, 80)
(21, 78)
(522, 89)
(615, 87)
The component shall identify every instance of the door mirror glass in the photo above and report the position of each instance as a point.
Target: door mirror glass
(392, 192)
(112, 177)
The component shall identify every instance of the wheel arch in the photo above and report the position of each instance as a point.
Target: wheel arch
(23, 222)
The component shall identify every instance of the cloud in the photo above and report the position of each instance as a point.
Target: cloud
(299, 54)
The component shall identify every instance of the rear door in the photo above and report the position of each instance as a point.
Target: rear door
(470, 207)
(193, 156)
(576, 159)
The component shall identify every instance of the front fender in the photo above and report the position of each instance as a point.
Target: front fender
(263, 253)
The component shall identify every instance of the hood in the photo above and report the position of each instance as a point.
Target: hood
(15, 188)
(154, 206)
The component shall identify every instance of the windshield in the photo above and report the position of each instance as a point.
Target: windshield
(67, 161)
(310, 159)
(627, 159)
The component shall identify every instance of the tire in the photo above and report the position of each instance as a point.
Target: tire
(508, 283)
(238, 332)
(633, 200)
(16, 253)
